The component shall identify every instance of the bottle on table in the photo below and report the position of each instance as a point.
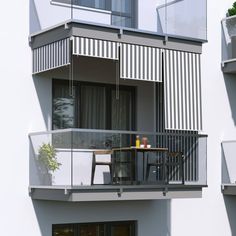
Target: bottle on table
(137, 143)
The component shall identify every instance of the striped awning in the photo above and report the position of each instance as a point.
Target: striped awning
(51, 56)
(140, 62)
(95, 48)
(182, 90)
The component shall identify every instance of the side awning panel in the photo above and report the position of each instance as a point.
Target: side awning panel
(182, 89)
(51, 56)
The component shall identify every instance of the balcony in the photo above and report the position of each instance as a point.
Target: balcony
(228, 168)
(229, 45)
(168, 18)
(64, 165)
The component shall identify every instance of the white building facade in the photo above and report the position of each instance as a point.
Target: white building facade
(91, 77)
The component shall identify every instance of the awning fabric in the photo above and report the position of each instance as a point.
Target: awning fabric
(51, 56)
(182, 90)
(95, 48)
(180, 71)
(140, 62)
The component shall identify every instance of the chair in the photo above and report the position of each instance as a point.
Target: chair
(102, 162)
(168, 168)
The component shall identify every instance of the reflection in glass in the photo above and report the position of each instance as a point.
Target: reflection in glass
(123, 6)
(91, 230)
(61, 230)
(122, 21)
(121, 230)
(63, 107)
(93, 107)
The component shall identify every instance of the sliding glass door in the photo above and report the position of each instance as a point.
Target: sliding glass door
(94, 106)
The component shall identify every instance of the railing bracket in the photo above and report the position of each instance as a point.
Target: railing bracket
(165, 191)
(30, 190)
(66, 191)
(119, 193)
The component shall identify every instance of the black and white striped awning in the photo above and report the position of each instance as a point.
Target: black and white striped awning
(182, 72)
(136, 61)
(95, 48)
(182, 90)
(140, 63)
(51, 56)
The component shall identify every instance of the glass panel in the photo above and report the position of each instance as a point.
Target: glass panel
(122, 120)
(173, 18)
(121, 111)
(91, 230)
(100, 4)
(123, 6)
(93, 107)
(61, 230)
(121, 230)
(56, 155)
(121, 21)
(63, 107)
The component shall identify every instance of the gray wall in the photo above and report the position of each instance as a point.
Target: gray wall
(153, 217)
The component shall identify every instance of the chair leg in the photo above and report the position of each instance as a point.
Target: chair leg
(93, 170)
(182, 169)
(111, 174)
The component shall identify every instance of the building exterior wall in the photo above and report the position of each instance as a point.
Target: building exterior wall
(25, 109)
(214, 214)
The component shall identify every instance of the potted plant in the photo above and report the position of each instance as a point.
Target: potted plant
(232, 10)
(231, 21)
(48, 157)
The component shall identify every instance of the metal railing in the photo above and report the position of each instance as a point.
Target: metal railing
(170, 17)
(71, 157)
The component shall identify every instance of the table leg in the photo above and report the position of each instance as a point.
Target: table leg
(136, 165)
(143, 166)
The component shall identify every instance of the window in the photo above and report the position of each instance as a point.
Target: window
(123, 11)
(96, 229)
(94, 106)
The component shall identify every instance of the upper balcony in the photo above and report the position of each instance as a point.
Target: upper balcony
(228, 167)
(229, 45)
(98, 165)
(162, 17)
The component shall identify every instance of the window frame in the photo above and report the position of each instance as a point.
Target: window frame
(107, 226)
(108, 95)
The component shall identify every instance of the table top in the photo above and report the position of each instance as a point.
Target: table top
(139, 149)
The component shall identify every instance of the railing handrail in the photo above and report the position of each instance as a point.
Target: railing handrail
(115, 131)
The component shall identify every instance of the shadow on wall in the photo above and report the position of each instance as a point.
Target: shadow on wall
(230, 84)
(153, 217)
(225, 178)
(43, 87)
(34, 19)
(230, 203)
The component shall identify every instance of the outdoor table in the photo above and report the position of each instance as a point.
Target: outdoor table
(136, 150)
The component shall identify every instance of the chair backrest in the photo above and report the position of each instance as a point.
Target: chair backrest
(102, 155)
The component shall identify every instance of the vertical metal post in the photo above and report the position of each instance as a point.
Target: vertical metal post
(71, 155)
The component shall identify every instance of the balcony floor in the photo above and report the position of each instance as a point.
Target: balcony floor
(114, 193)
